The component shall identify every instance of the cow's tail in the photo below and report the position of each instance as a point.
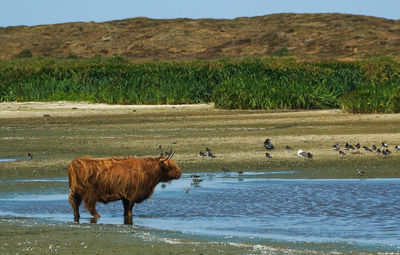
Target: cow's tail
(72, 178)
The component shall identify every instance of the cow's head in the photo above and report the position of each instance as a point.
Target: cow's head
(170, 169)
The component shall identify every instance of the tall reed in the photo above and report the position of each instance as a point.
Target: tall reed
(359, 86)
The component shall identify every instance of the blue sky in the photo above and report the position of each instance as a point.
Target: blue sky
(37, 12)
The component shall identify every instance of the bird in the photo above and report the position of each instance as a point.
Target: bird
(341, 153)
(240, 172)
(378, 150)
(29, 156)
(163, 186)
(360, 172)
(161, 152)
(197, 180)
(226, 170)
(304, 154)
(348, 147)
(202, 154)
(194, 176)
(366, 148)
(386, 152)
(358, 146)
(268, 145)
(384, 144)
(397, 148)
(288, 147)
(374, 147)
(268, 155)
(209, 153)
(336, 147)
(166, 154)
(187, 190)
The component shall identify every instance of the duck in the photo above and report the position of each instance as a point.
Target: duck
(374, 147)
(268, 155)
(341, 153)
(397, 147)
(360, 172)
(202, 154)
(336, 147)
(196, 180)
(348, 147)
(288, 148)
(187, 190)
(366, 148)
(268, 145)
(240, 172)
(194, 176)
(384, 144)
(358, 146)
(386, 152)
(29, 156)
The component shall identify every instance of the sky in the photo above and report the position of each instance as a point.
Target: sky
(39, 12)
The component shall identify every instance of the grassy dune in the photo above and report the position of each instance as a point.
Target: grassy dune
(236, 137)
(359, 86)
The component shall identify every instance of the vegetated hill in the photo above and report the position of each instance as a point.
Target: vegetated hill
(303, 36)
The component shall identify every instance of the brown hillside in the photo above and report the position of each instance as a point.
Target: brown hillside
(314, 36)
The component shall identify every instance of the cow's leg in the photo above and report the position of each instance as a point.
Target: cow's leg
(90, 205)
(75, 200)
(128, 206)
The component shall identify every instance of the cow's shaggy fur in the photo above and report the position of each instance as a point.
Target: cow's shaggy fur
(131, 180)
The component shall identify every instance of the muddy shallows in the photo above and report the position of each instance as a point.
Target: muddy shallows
(343, 215)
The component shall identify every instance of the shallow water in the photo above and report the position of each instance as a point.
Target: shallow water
(317, 214)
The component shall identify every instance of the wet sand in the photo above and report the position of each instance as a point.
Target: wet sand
(55, 133)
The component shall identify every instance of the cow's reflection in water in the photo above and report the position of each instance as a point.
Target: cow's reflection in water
(128, 220)
(131, 180)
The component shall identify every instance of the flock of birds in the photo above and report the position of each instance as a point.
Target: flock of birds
(348, 147)
(384, 150)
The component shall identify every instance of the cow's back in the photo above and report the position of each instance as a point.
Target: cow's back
(110, 176)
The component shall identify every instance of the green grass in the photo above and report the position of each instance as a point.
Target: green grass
(358, 86)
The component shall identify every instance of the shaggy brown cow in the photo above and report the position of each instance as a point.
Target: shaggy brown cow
(131, 180)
